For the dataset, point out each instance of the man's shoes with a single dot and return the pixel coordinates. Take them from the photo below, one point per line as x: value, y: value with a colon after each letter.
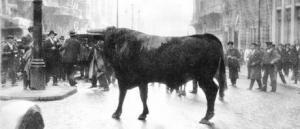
x: 55, y: 84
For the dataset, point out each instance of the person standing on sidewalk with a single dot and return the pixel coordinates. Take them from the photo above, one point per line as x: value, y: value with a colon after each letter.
x: 51, y: 55
x: 9, y: 51
x: 280, y: 63
x: 255, y: 61
x: 233, y: 56
x: 270, y: 58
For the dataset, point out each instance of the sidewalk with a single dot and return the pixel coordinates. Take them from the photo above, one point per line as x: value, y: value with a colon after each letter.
x: 289, y: 82
x: 51, y: 93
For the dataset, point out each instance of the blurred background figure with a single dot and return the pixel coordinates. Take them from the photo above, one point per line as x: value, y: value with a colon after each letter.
x: 9, y: 54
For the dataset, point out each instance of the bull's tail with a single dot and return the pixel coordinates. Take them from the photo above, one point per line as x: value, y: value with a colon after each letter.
x: 222, y: 75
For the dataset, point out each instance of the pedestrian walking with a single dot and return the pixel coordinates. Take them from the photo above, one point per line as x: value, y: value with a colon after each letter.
x: 248, y: 53
x: 70, y: 51
x: 270, y: 58
x: 9, y: 54
x: 233, y: 57
x: 255, y: 62
x: 286, y: 59
x: 51, y: 55
x: 280, y: 63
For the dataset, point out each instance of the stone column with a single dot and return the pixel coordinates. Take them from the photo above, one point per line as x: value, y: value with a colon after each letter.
x: 274, y: 22
x: 293, y: 23
x: 282, y: 32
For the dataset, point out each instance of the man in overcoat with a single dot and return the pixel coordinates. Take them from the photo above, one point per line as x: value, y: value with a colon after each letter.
x: 233, y: 56
x: 270, y: 58
x: 51, y: 55
x: 255, y: 61
x: 70, y: 50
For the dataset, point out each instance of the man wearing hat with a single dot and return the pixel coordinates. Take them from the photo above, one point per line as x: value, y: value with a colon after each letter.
x: 270, y: 58
x: 9, y: 51
x: 233, y: 56
x: 51, y: 55
x: 71, y: 49
x: 255, y: 61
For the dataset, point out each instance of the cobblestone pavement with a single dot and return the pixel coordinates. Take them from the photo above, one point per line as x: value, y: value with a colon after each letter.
x: 243, y: 109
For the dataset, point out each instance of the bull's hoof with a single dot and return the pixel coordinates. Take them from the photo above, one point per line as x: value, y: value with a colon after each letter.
x: 205, y: 121
x: 142, y: 117
x: 116, y: 115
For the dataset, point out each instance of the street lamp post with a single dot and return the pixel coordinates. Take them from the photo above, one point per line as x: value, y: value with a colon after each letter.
x: 37, y: 69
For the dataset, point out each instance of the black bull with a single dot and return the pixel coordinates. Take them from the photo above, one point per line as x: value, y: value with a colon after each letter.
x: 138, y: 59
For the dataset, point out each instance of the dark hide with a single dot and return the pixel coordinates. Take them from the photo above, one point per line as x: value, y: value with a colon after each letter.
x: 138, y: 59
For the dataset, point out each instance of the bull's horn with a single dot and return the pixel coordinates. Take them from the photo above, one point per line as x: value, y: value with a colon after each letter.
x: 96, y: 30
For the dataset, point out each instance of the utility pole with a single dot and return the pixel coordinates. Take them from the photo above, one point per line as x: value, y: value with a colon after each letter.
x: 117, y: 13
x: 258, y: 22
x: 37, y: 69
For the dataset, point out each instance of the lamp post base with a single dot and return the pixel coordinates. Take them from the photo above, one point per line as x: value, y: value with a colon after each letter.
x: 37, y: 75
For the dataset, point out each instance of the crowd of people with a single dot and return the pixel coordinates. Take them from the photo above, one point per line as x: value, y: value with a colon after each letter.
x: 63, y: 58
x: 264, y: 63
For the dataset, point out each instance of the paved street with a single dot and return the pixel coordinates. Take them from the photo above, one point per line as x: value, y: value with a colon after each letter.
x: 243, y: 109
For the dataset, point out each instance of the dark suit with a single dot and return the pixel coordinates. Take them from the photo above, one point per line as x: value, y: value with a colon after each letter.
x: 70, y: 50
x: 233, y: 56
x: 270, y: 58
x: 51, y: 55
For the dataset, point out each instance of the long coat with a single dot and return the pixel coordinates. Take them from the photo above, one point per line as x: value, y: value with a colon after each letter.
x: 255, y: 61
x: 233, y: 56
x: 71, y: 49
x: 51, y: 55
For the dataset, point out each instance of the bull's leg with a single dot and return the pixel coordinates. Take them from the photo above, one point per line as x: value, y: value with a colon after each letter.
x: 122, y: 94
x: 144, y: 95
x: 210, y: 89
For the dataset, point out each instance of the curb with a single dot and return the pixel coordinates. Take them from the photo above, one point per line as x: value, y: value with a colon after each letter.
x: 40, y: 98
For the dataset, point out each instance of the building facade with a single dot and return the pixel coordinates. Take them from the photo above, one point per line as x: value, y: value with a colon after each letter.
x: 58, y: 15
x: 286, y: 21
x: 234, y: 20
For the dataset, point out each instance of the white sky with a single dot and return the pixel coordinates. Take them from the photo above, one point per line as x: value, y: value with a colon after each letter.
x: 160, y: 17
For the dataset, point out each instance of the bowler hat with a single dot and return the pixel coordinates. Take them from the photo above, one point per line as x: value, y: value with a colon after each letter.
x: 269, y: 43
x: 52, y: 32
x: 230, y: 43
